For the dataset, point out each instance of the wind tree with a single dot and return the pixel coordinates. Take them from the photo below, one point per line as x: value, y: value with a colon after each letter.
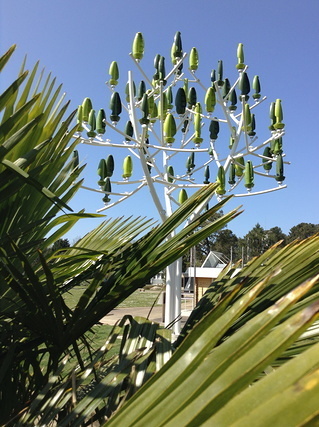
x: 247, y: 355
x: 183, y: 131
x: 39, y: 175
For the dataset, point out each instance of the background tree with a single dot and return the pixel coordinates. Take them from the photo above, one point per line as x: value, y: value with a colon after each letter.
x: 302, y: 231
x: 60, y: 244
x: 255, y: 241
x: 226, y: 242
x: 207, y: 244
x: 274, y: 235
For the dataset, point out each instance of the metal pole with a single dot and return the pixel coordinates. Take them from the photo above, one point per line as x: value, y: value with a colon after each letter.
x: 178, y: 296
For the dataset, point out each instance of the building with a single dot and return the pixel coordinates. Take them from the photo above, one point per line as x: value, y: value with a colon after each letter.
x: 158, y: 280
x: 198, y: 279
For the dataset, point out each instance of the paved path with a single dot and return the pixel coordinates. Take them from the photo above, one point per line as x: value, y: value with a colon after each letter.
x: 118, y: 313
x: 156, y: 314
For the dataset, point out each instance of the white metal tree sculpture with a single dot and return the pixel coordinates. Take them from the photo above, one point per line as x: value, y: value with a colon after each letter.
x: 178, y: 103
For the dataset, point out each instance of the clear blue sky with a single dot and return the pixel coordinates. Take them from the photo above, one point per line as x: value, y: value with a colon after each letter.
x: 77, y: 40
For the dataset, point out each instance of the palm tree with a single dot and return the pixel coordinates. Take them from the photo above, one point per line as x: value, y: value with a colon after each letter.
x: 38, y: 176
x: 248, y: 354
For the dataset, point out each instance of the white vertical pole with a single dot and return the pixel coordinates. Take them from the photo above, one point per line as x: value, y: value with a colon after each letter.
x: 178, y: 296
x: 169, y: 294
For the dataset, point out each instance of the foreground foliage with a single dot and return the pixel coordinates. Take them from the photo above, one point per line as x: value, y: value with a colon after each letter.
x: 252, y: 359
x: 248, y: 354
x: 38, y: 179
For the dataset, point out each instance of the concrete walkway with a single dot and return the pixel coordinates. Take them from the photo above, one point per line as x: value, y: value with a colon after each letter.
x: 118, y: 313
x: 155, y: 315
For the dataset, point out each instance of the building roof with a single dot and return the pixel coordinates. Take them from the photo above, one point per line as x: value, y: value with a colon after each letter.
x: 209, y: 272
x: 211, y: 267
x: 215, y: 259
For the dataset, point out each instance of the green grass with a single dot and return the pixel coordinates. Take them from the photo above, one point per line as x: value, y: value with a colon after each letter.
x: 137, y: 299
x: 100, y: 333
x: 141, y: 299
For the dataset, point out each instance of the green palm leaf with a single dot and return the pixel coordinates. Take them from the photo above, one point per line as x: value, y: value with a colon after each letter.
x: 193, y: 387
x: 5, y: 58
x: 260, y: 319
x: 10, y: 92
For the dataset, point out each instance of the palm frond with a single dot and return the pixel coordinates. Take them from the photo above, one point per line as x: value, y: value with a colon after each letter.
x: 256, y: 327
x: 227, y: 352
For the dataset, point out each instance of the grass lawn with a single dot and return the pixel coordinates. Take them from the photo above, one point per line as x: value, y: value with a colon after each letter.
x: 137, y: 299
x: 100, y: 333
x: 141, y: 299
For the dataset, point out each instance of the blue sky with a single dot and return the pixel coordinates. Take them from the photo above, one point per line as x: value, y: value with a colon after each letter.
x: 77, y: 40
